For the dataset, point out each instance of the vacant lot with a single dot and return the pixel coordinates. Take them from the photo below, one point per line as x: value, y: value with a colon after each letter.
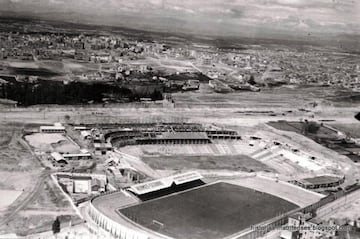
x: 51, y: 142
x: 209, y: 212
x: 326, y: 137
x: 29, y: 200
x: 231, y: 162
x: 8, y: 197
x: 352, y: 129
x: 297, y: 127
x: 14, y: 155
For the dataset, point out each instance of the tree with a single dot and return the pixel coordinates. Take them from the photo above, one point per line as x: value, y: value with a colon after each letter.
x: 156, y: 95
x: 56, y: 226
x: 252, y: 80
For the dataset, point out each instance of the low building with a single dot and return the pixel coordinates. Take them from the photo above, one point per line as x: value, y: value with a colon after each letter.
x: 79, y: 183
x: 82, y: 184
x: 58, y: 158
x: 97, y: 186
x: 83, y: 155
x: 80, y: 128
x: 102, y: 148
x: 86, y: 135
x: 302, y: 226
x: 319, y: 182
x: 56, y: 128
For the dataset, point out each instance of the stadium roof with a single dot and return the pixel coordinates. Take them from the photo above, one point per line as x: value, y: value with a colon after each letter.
x: 186, y: 177
x: 163, y: 183
x: 184, y: 135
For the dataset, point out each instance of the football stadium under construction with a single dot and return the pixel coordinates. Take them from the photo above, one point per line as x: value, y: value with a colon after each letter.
x: 187, y: 205
x: 184, y: 206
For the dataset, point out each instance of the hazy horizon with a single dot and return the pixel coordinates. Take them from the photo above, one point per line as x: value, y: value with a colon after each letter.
x: 250, y: 18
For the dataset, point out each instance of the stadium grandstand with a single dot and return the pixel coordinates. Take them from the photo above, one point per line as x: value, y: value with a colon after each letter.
x: 166, y: 133
x: 176, y: 138
x: 165, y: 186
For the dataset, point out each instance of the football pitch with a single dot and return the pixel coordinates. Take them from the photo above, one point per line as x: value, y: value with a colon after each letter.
x: 209, y: 212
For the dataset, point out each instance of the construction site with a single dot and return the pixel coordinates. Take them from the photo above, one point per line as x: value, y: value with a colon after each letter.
x: 117, y: 172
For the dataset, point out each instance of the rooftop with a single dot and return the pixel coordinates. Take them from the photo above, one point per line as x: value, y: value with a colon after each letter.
x: 57, y: 156
x: 321, y: 179
x: 184, y: 135
x: 162, y: 183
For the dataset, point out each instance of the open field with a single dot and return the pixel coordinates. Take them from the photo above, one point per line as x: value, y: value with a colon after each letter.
x: 8, y: 197
x: 29, y: 199
x: 42, y: 206
x: 352, y: 129
x: 231, y: 162
x: 280, y: 97
x: 51, y: 142
x: 50, y: 197
x: 210, y: 212
x: 14, y: 155
x: 324, y: 136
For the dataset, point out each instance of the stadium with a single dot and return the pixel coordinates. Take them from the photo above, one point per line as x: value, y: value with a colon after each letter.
x: 196, y: 205
x: 184, y: 206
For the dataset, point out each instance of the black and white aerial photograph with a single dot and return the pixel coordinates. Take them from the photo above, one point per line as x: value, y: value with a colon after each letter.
x: 179, y: 119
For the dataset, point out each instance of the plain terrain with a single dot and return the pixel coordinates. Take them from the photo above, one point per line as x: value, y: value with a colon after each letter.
x: 29, y: 199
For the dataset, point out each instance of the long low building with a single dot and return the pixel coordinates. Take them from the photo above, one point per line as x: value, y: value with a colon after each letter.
x: 52, y: 129
x: 62, y: 158
x: 78, y: 156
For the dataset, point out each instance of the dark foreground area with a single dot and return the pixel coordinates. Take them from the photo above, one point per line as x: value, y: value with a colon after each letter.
x: 209, y: 212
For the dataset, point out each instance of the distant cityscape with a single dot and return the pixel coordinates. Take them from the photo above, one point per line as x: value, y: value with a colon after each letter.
x: 125, y: 62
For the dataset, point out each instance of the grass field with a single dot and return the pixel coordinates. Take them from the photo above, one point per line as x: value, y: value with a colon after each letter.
x: 231, y: 162
x: 209, y: 212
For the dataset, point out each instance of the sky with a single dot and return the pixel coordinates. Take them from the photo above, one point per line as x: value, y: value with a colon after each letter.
x: 215, y: 17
